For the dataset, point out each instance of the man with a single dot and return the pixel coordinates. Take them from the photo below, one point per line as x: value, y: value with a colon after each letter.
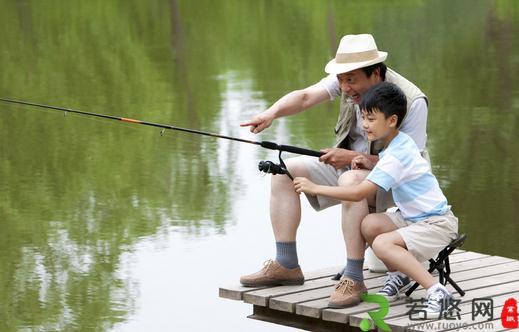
x: 357, y: 66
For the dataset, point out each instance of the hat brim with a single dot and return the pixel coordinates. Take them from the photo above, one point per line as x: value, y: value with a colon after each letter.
x: 339, y: 68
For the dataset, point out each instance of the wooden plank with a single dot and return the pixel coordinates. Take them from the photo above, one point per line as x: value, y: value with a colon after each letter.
x: 343, y: 315
x: 288, y: 302
x: 490, y: 280
x: 477, y: 263
x: 485, y: 271
x: 466, y: 256
x: 459, y: 277
x: 401, y: 323
x: 262, y: 297
x: 292, y: 320
x: 466, y: 317
x: 236, y: 292
x: 503, y: 286
x: 306, y: 306
x: 493, y: 326
x: 314, y: 307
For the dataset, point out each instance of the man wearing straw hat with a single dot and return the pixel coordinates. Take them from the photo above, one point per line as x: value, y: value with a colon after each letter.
x: 357, y: 66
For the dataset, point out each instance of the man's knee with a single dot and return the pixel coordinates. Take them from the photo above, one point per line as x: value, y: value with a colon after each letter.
x: 296, y: 167
x: 352, y: 177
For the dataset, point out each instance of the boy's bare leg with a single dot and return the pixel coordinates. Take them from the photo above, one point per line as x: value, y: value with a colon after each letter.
x: 391, y: 249
x: 375, y: 224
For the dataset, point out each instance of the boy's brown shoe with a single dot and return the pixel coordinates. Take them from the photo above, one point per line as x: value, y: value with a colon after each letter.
x: 273, y: 274
x: 347, y: 293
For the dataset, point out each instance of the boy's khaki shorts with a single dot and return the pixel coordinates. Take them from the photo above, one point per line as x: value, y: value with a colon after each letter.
x: 425, y: 239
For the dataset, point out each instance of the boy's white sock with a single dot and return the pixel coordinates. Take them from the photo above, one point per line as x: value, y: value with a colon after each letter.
x: 397, y: 273
x: 434, y: 287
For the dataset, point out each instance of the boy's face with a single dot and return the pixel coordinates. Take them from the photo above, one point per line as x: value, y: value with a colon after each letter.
x: 376, y: 125
x: 356, y: 82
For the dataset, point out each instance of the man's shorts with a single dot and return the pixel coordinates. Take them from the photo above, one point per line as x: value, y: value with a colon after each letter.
x: 425, y: 239
x: 322, y: 174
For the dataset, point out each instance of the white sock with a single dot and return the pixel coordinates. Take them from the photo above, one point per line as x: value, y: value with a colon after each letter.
x: 397, y: 273
x: 434, y: 287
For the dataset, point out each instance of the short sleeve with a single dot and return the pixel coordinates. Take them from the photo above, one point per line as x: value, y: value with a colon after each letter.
x: 386, y: 172
x: 331, y: 84
x: 415, y: 123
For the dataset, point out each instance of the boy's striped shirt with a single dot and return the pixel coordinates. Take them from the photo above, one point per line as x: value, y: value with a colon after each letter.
x: 416, y: 191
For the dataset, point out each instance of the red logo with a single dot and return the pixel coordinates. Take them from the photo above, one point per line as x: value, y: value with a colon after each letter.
x: 509, y: 314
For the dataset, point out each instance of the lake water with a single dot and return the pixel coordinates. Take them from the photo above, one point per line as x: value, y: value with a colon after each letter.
x: 110, y: 226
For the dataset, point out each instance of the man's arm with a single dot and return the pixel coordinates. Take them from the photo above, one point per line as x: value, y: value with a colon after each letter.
x: 291, y: 103
x: 351, y: 193
x: 340, y: 158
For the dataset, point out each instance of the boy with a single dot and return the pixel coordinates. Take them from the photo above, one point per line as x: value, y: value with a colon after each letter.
x: 421, y: 227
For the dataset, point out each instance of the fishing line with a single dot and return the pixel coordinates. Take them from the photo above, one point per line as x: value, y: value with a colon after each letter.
x: 267, y: 167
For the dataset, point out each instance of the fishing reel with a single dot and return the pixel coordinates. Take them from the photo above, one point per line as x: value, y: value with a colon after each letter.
x: 268, y: 166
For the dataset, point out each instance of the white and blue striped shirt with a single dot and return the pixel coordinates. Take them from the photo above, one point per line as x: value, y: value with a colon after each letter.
x: 416, y: 191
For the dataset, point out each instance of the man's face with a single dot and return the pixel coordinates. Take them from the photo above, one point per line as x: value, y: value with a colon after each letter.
x: 355, y: 83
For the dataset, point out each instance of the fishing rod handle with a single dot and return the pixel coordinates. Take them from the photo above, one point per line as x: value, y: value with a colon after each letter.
x: 290, y: 148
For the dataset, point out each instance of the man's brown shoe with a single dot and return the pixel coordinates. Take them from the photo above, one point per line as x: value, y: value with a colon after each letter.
x: 347, y: 293
x: 273, y: 274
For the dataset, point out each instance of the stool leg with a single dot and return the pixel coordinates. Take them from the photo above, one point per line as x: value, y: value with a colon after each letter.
x: 410, y: 290
x: 455, y: 285
x: 432, y: 267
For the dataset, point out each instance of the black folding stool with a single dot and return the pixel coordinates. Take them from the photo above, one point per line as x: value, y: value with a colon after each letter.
x: 441, y: 263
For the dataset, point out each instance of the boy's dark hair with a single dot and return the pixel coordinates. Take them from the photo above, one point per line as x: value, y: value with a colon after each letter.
x: 370, y: 69
x: 387, y: 98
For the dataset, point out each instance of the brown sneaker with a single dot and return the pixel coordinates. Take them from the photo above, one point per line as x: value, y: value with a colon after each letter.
x: 273, y: 274
x: 347, y: 293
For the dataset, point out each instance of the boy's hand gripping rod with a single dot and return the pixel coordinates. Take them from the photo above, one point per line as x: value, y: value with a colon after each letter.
x: 267, y: 167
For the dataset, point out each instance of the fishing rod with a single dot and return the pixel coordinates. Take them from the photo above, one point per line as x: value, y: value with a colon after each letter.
x: 264, y: 166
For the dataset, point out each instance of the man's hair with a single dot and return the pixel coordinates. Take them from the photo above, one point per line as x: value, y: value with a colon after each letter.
x: 387, y: 98
x: 370, y: 69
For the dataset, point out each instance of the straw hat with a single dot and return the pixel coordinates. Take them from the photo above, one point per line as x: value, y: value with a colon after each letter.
x: 354, y: 52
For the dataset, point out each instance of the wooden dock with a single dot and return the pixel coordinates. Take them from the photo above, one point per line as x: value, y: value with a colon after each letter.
x: 305, y: 307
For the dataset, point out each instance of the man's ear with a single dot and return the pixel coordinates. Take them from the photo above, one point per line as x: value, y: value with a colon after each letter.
x: 376, y: 72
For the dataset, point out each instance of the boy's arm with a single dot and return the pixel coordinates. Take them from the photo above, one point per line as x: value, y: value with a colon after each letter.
x: 351, y: 193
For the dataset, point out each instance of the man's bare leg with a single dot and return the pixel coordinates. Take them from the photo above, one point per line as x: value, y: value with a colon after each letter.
x: 285, y: 213
x: 352, y: 215
x: 285, y: 216
x: 285, y: 203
